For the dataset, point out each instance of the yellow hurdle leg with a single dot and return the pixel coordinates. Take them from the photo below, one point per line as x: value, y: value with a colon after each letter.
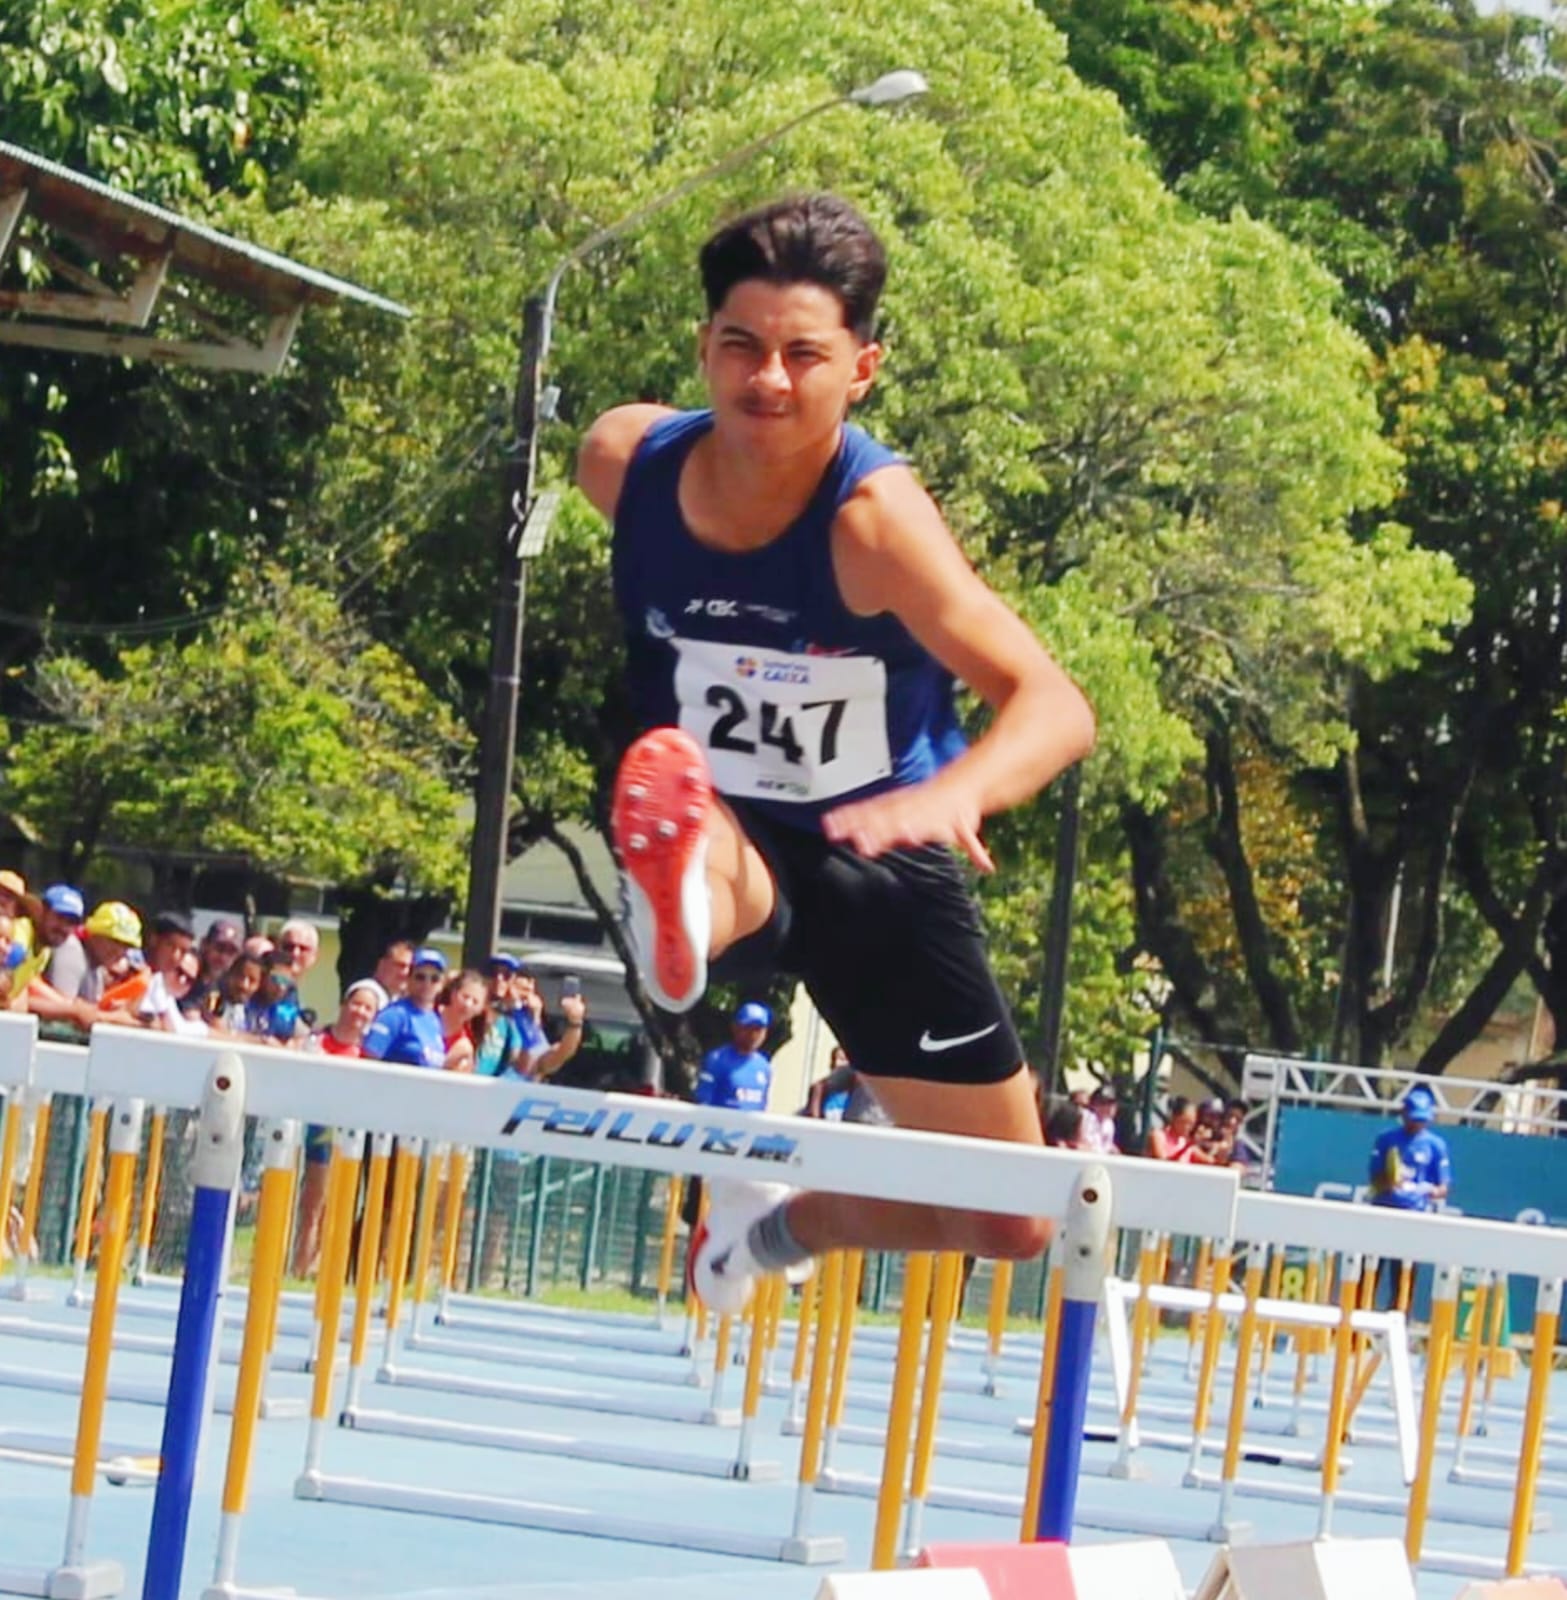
x: 365, y: 1269
x: 87, y: 1200
x: 1142, y: 1325
x: 666, y: 1249
x: 32, y: 1196
x: 843, y: 1348
x: 335, y: 1178
x: 830, y: 1270
x: 266, y: 1282
x: 769, y: 1292
x: 721, y: 1358
x: 124, y: 1150
x: 1039, y: 1441
x: 946, y: 1288
x: 1547, y: 1314
x: 1493, y: 1345
x: 334, y: 1268
x: 1212, y: 1337
x: 1406, y: 1287
x: 151, y: 1181
x: 10, y: 1143
x: 1161, y: 1274
x: 900, y: 1419
x: 804, y: 1322
x: 424, y: 1234
x: 1439, y: 1346
x: 1267, y: 1331
x: 405, y: 1187
x: 1305, y: 1343
x: 1244, y: 1340
x: 1364, y: 1373
x: 451, y: 1221
x: 1197, y: 1322
x: 1001, y: 1273
x: 1343, y: 1354
x: 1474, y: 1342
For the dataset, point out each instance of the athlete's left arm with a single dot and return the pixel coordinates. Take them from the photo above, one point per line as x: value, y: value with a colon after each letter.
x: 892, y: 551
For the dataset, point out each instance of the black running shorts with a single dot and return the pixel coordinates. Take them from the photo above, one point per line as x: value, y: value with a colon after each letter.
x: 890, y: 950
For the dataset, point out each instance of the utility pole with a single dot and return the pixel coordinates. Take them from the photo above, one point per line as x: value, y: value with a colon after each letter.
x: 523, y: 539
x: 1058, y: 933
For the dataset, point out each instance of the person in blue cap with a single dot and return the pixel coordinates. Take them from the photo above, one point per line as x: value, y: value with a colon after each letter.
x: 734, y: 1077
x: 737, y: 1076
x: 408, y: 1031
x: 1410, y: 1166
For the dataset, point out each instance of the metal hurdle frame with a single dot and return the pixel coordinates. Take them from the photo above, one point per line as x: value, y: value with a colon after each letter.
x: 878, y: 1163
x: 875, y: 1162
x: 64, y: 1069
x: 1443, y: 1242
x: 78, y: 1576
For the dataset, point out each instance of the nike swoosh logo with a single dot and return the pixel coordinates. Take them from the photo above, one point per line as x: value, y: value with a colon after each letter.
x: 930, y: 1046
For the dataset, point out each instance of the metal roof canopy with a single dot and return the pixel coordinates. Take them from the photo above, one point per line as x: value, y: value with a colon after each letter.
x: 112, y: 226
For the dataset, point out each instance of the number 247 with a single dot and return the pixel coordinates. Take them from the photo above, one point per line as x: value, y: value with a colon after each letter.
x: 774, y: 727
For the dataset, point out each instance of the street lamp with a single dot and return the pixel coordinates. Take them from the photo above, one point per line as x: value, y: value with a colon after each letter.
x: 529, y: 515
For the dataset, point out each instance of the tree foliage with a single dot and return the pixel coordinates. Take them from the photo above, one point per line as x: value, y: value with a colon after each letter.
x: 1416, y: 149
x: 1152, y: 428
x: 194, y: 105
x: 281, y: 736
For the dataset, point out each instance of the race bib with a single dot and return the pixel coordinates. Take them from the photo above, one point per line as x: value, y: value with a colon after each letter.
x: 781, y: 726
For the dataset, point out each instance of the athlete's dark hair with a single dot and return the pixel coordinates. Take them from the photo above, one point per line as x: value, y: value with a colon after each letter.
x: 806, y: 238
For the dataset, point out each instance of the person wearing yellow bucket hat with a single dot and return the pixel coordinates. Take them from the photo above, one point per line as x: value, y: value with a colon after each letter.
x: 109, y: 934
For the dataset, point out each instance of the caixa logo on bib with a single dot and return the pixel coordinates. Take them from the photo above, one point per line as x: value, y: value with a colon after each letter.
x: 606, y: 1126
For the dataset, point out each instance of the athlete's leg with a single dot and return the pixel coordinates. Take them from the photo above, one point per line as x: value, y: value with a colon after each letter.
x: 770, y: 1230
x: 739, y: 885
x: 892, y: 951
x: 1005, y: 1110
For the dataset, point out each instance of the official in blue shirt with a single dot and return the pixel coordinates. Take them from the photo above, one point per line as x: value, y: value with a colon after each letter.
x: 737, y: 1076
x: 1410, y: 1168
x: 408, y: 1032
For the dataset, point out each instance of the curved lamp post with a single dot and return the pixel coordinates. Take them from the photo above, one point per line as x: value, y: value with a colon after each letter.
x: 529, y: 514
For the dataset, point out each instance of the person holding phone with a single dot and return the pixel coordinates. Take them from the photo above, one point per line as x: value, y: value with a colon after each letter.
x: 538, y: 1057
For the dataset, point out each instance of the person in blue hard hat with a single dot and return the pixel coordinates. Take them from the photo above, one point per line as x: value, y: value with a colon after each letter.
x: 734, y: 1077
x: 1410, y: 1165
x: 737, y: 1076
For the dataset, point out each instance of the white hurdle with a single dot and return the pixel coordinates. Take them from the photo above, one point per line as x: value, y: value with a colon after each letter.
x: 879, y: 1163
x: 897, y: 1165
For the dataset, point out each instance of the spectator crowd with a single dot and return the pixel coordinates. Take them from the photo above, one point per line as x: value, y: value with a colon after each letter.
x: 68, y: 965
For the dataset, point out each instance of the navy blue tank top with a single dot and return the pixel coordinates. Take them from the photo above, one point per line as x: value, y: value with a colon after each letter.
x: 799, y: 703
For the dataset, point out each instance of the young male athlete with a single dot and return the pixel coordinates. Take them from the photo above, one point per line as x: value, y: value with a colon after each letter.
x: 796, y: 611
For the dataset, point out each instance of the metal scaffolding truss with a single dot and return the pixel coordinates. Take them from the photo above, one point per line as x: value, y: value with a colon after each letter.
x: 114, y: 262
x: 1269, y: 1082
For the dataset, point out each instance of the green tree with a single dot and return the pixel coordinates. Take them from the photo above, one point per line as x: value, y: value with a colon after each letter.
x: 1416, y: 148
x: 193, y: 105
x: 1148, y: 428
x: 282, y: 736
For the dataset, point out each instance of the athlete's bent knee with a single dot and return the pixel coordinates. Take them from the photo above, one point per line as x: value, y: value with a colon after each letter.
x: 1000, y: 1238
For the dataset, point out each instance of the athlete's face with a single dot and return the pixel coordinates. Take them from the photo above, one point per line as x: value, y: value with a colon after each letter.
x: 782, y: 370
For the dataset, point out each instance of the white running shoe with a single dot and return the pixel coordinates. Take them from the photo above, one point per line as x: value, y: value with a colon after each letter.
x: 663, y: 798
x: 720, y: 1268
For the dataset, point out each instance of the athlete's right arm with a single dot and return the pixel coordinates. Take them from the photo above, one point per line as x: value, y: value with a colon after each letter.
x: 607, y: 449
